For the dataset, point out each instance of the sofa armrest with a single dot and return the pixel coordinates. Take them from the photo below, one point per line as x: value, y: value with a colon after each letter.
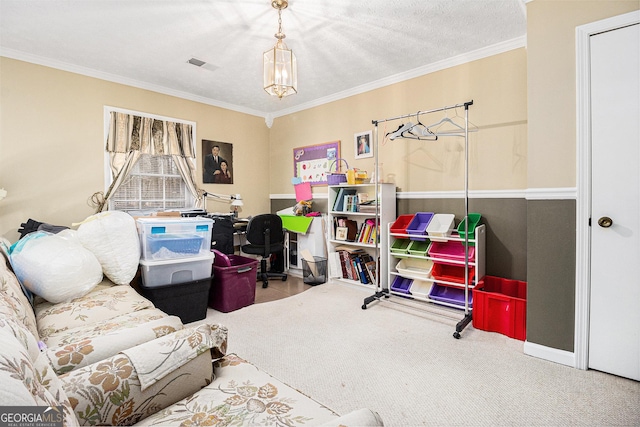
x: 89, y: 350
x: 121, y: 390
x: 359, y: 418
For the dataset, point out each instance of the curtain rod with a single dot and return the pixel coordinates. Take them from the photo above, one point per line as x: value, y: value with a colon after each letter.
x: 465, y: 105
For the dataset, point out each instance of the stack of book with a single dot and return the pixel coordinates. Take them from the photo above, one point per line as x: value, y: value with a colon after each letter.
x: 368, y: 232
x: 357, y: 265
x: 368, y: 207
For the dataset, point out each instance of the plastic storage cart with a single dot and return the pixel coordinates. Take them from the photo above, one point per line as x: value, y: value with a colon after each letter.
x: 234, y: 282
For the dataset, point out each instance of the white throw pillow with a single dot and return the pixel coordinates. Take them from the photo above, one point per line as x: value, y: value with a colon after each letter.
x: 112, y: 236
x: 55, y: 266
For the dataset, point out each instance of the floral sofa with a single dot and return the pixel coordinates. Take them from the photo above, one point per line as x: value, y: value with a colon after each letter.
x: 111, y: 358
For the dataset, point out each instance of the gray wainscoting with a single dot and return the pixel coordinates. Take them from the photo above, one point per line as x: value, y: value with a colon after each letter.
x: 529, y: 240
x: 551, y: 273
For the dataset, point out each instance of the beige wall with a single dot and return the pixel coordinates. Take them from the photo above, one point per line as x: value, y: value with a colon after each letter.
x: 551, y: 27
x: 498, y: 154
x: 52, y: 143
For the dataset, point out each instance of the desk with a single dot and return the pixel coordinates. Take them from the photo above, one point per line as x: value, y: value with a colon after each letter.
x: 239, y: 234
x: 313, y: 240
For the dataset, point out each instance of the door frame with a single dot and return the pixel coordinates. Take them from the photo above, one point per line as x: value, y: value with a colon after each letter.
x: 583, y: 177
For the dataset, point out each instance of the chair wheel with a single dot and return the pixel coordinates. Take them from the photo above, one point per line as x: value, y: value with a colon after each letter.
x: 284, y: 278
x: 265, y: 284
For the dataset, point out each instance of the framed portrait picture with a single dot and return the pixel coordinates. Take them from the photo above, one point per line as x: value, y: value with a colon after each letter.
x: 217, y: 163
x: 341, y: 233
x: 363, y: 147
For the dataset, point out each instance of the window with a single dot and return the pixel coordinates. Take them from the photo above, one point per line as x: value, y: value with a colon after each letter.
x: 154, y: 184
x: 155, y: 181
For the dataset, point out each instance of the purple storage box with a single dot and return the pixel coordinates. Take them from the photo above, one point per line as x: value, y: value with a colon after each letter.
x: 418, y: 225
x: 234, y: 282
x: 401, y: 284
x: 450, y: 294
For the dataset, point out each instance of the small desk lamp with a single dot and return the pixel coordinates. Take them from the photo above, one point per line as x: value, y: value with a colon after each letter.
x: 234, y: 199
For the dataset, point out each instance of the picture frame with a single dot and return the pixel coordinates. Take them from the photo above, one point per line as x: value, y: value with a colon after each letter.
x: 311, y: 163
x: 363, y: 145
x: 212, y: 170
x: 341, y: 233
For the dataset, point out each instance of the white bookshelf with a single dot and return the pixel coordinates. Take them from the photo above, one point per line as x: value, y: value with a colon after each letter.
x: 386, y: 214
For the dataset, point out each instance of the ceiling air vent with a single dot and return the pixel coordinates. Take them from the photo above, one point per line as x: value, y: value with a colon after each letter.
x: 196, y: 62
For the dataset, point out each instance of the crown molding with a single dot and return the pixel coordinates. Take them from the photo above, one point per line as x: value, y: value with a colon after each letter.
x: 488, y: 51
x: 90, y: 72
x: 485, y: 52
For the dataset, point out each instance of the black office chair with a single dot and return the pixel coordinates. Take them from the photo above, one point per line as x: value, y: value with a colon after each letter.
x: 265, y: 236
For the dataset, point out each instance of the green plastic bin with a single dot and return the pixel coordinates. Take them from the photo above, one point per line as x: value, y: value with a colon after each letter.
x: 419, y: 247
x: 474, y: 220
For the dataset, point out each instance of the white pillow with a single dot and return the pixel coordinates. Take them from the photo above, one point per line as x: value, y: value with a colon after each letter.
x: 112, y: 236
x: 55, y: 266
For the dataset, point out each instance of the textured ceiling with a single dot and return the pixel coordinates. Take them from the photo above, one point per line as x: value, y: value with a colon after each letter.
x: 340, y: 45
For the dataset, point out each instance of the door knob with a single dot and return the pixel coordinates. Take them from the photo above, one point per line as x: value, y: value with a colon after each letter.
x: 605, y: 222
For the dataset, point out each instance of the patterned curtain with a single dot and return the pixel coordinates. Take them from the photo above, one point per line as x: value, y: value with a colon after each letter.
x: 130, y: 136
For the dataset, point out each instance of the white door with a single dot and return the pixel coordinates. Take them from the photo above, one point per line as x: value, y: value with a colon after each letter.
x: 614, y: 327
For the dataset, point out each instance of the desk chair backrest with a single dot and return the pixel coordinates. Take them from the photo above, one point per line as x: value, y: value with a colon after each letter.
x: 265, y: 236
x: 265, y: 230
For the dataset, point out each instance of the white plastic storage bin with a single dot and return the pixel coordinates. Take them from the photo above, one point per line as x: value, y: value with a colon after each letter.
x: 171, y: 238
x: 415, y: 268
x: 174, y: 271
x: 440, y: 227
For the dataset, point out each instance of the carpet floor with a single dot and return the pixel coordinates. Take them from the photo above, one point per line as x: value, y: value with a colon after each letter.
x: 405, y: 364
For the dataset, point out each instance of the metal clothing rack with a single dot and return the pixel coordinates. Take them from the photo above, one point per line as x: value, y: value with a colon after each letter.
x: 384, y: 292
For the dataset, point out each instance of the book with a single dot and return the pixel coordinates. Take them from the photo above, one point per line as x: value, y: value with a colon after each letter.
x: 371, y: 269
x: 339, y: 202
x: 352, y: 229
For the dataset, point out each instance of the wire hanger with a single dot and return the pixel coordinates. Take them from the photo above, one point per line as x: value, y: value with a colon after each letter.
x: 420, y: 131
x: 398, y: 133
x: 457, y: 131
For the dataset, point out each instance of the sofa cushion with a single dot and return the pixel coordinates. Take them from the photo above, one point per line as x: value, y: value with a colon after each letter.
x: 154, y: 362
x: 14, y: 302
x: 75, y: 348
x: 111, y: 392
x: 97, y: 306
x: 241, y: 394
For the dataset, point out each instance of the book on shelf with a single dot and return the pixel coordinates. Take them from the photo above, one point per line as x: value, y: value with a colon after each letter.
x: 368, y: 206
x: 339, y: 202
x: 341, y: 222
x: 353, y: 263
x: 371, y: 268
x: 350, y: 203
x: 368, y: 231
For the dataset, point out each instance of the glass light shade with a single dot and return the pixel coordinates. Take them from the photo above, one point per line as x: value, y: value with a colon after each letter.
x: 280, y: 71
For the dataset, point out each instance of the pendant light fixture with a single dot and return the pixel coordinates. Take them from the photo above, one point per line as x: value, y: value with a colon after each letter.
x: 280, y: 69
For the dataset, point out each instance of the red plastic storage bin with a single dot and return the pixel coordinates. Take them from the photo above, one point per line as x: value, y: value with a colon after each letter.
x: 452, y: 273
x: 500, y: 305
x: 234, y: 282
x: 400, y: 224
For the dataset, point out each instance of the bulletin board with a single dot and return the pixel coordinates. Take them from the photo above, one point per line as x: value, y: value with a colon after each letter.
x: 311, y: 163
